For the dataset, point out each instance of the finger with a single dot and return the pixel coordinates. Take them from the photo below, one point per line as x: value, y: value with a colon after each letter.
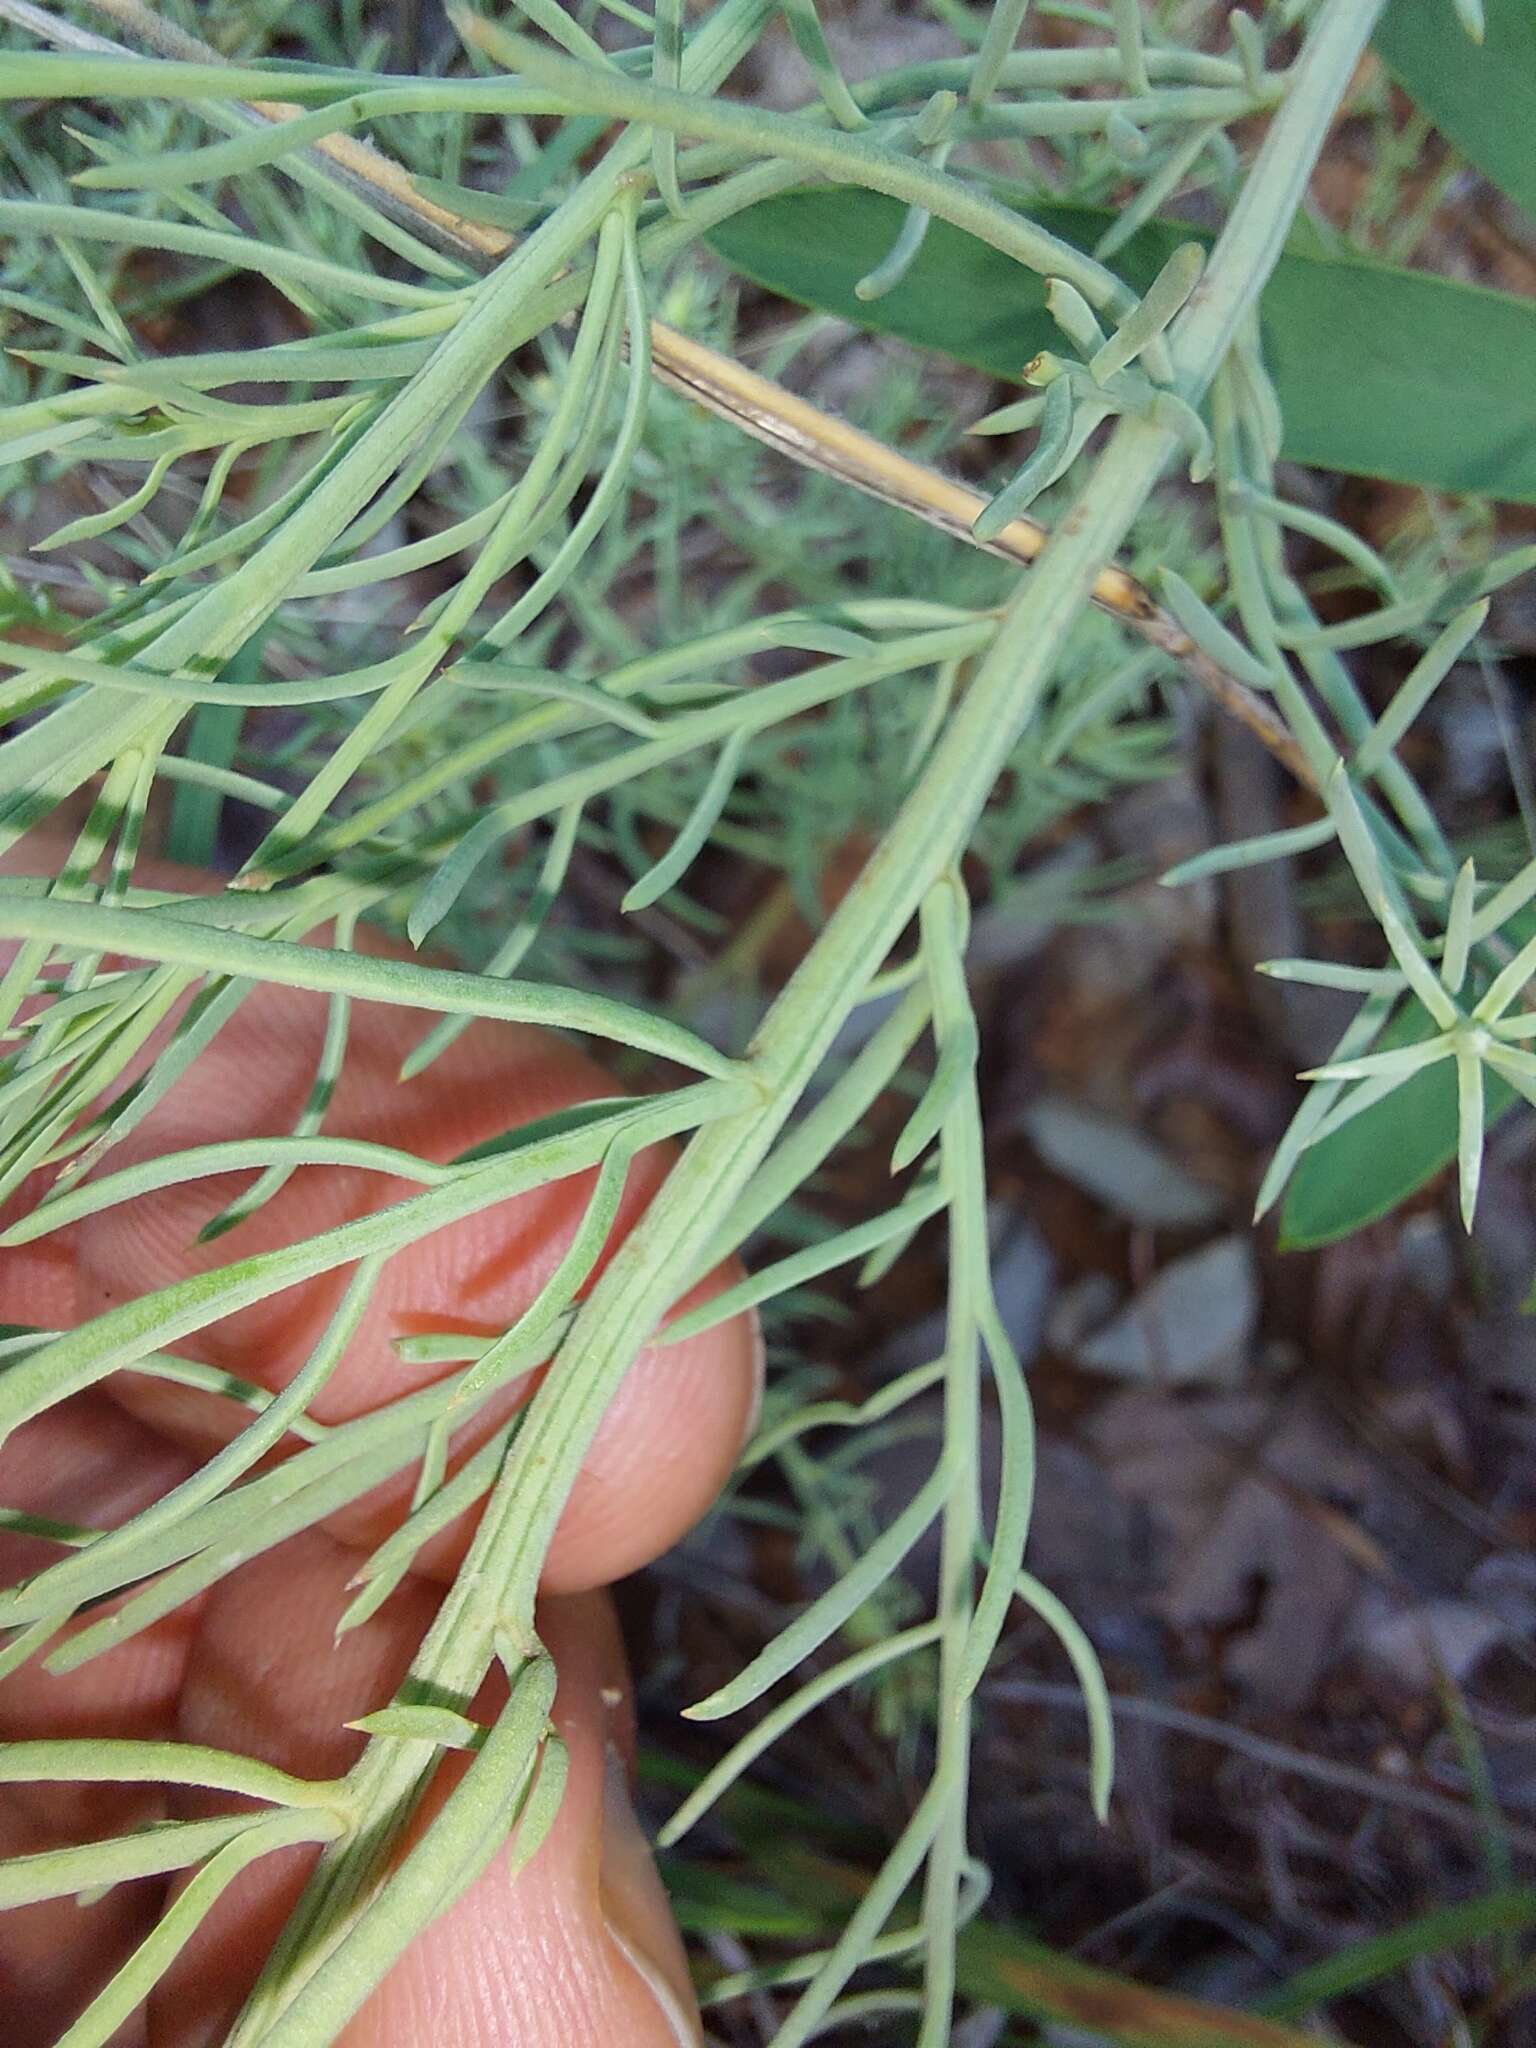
x: 578, y: 1946
x: 668, y: 1444
x: 38, y: 1289
x: 669, y: 1441
x: 85, y: 1462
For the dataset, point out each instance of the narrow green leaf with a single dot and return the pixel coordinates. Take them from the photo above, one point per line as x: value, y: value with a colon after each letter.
x: 149, y: 935
x: 1250, y: 853
x: 1126, y: 15
x: 536, y: 1814
x: 1090, y: 1676
x: 1047, y: 460
x: 61, y: 1873
x: 112, y: 1760
x: 114, y: 1558
x: 1420, y: 684
x: 1207, y: 631
x: 495, y: 209
x: 1387, y: 1152
x: 114, y: 1339
x: 698, y: 825
x: 811, y: 41
x: 1074, y: 316
x: 899, y: 258
x: 440, y: 1726
x: 1458, y: 928
x: 199, y: 1162
x: 388, y: 1564
x: 824, y: 1686
x: 1366, y: 1962
x: 1164, y: 297
x: 1365, y: 981
x: 1470, y: 1124
x: 510, y: 953
x: 451, y: 878
x: 808, y: 1631
x: 1381, y: 371
x: 1003, y: 25
x: 132, y: 1983
x: 794, y: 1271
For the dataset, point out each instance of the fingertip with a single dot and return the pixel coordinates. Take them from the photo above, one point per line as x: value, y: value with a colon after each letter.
x: 578, y: 1945
x: 664, y: 1450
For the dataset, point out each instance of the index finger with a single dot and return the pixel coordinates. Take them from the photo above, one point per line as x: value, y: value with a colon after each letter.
x: 668, y: 1440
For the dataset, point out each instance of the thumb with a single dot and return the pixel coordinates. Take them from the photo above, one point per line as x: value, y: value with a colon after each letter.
x: 576, y: 1946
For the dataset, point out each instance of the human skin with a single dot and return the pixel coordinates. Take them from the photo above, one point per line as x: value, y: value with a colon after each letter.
x: 580, y: 1946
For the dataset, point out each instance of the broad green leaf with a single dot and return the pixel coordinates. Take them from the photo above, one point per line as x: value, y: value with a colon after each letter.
x: 1481, y: 98
x: 1386, y: 1153
x: 1383, y: 372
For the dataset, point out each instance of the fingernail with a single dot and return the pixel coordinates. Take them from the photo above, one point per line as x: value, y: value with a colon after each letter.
x: 759, y: 1378
x: 635, y: 1910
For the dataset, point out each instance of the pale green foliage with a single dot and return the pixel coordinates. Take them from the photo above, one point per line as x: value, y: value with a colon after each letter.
x: 424, y: 605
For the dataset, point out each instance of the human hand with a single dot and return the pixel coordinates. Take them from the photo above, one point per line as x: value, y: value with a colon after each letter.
x: 580, y: 1946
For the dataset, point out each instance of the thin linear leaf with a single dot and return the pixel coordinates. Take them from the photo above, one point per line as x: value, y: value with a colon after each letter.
x: 1153, y: 313
x: 109, y: 1760
x: 943, y: 937
x: 794, y: 1271
x: 58, y: 1873
x: 83, y: 1356
x: 1207, y: 631
x: 1428, y: 1934
x: 333, y: 1051
x: 1249, y: 853
x: 824, y: 1686
x: 201, y: 1162
x: 1386, y: 1153
x: 387, y: 1565
x: 698, y: 825
x: 421, y: 1722
x: 148, y: 935
x: 510, y: 953
x: 183, y: 1915
x: 1069, y: 1632
x: 114, y: 1554
x: 808, y: 1631
x: 1416, y: 689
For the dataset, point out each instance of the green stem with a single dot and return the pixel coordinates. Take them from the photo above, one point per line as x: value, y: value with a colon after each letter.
x: 493, y: 1596
x: 965, y: 1178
